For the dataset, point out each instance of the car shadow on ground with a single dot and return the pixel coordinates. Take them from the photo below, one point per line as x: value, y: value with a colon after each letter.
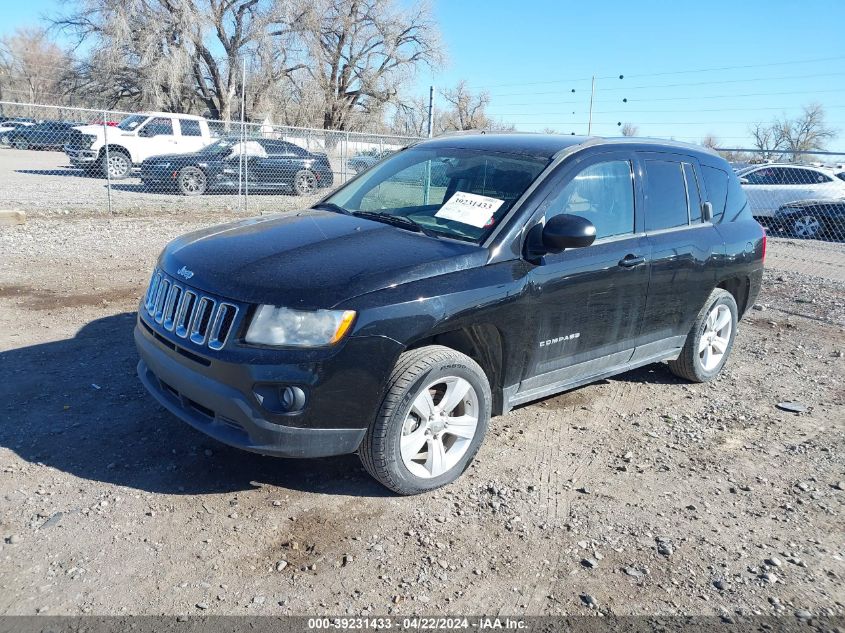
x: 62, y: 171
x: 76, y: 405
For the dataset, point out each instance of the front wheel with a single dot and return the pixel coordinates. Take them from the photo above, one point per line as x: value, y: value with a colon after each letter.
x: 20, y: 143
x: 431, y: 423
x: 118, y: 165
x: 710, y: 340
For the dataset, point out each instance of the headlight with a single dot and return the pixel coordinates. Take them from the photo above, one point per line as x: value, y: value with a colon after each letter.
x: 272, y: 325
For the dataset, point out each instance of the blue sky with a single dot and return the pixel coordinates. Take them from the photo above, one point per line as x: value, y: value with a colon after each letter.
x: 680, y: 62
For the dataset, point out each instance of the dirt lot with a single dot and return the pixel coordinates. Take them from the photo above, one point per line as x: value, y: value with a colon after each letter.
x: 639, y: 494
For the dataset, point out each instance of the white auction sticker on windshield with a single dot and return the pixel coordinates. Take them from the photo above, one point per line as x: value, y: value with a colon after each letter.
x: 469, y: 208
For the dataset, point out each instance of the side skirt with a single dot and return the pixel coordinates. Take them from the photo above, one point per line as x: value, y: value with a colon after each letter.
x: 514, y: 397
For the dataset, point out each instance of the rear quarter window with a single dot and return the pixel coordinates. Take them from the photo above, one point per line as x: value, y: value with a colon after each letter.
x: 716, y: 181
x: 736, y: 205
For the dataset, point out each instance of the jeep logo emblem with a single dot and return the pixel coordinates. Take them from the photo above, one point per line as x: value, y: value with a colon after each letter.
x: 185, y: 272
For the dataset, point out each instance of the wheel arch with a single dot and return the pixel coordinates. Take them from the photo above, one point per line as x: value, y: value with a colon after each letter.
x: 481, y: 342
x: 114, y: 147
x: 740, y: 289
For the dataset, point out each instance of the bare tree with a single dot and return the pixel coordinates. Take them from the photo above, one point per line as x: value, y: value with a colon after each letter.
x: 32, y: 67
x: 803, y: 133
x: 467, y: 110
x: 629, y: 129
x: 411, y: 117
x: 767, y: 138
x: 165, y: 53
x: 806, y: 132
x: 710, y: 141
x: 362, y: 52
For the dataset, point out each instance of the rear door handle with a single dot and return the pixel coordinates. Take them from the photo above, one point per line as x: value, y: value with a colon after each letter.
x: 629, y: 261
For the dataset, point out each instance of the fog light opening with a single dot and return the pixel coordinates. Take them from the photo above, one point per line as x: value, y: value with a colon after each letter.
x: 291, y: 398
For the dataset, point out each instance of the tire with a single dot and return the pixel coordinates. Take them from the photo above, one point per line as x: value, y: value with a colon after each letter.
x: 5, y: 140
x: 437, y: 370
x: 806, y: 226
x: 20, y: 143
x: 191, y: 181
x: 304, y: 183
x: 118, y: 165
x: 699, y: 360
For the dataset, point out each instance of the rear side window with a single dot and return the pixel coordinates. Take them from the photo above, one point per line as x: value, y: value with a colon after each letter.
x: 693, y: 195
x: 190, y: 127
x: 806, y: 176
x: 717, y: 189
x: 666, y: 195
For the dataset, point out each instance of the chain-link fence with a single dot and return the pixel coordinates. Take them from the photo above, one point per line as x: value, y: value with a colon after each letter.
x: 58, y: 159
x: 794, y: 194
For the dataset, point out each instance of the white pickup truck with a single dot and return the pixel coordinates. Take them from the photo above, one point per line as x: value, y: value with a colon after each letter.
x: 134, y: 139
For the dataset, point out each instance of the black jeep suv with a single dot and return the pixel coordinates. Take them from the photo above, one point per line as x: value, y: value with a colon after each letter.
x: 396, y: 316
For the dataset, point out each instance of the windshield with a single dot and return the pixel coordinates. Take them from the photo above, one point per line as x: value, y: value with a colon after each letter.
x: 221, y: 146
x: 454, y: 192
x: 132, y: 122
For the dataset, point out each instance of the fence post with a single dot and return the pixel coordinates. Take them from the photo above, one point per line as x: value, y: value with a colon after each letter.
x: 107, y: 166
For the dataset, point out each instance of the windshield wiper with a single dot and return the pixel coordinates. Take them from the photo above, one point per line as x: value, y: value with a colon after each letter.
x: 395, y: 220
x: 331, y: 206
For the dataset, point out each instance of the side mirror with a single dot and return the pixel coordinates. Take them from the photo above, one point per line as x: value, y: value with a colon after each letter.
x: 743, y: 181
x: 146, y: 132
x: 567, y: 231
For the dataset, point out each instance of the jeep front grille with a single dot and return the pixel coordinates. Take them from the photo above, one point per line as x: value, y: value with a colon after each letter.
x: 189, y: 313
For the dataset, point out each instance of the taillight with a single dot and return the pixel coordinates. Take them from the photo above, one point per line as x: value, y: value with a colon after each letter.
x: 764, y: 244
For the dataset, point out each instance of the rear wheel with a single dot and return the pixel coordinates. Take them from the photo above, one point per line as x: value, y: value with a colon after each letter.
x: 431, y: 423
x: 805, y: 225
x: 710, y: 340
x: 191, y: 181
x: 117, y: 166
x: 304, y: 183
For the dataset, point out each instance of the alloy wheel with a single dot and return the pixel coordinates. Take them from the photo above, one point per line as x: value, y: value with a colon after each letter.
x: 715, y: 338
x: 439, y: 427
x: 304, y: 183
x: 806, y: 226
x: 118, y: 165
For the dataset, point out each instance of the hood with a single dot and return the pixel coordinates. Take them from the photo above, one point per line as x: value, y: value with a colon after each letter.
x: 110, y: 132
x: 312, y: 259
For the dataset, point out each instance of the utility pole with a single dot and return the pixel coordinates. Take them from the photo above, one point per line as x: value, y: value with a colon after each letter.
x: 592, y: 96
x: 243, y: 131
x: 430, y: 111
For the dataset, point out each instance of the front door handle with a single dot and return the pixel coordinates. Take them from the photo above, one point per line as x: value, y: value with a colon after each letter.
x: 629, y: 261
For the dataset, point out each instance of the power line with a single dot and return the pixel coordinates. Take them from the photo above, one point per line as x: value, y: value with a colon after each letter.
x: 671, y: 72
x: 685, y: 84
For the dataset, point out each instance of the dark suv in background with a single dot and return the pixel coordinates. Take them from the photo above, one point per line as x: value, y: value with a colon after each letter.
x: 396, y: 316
x: 257, y: 163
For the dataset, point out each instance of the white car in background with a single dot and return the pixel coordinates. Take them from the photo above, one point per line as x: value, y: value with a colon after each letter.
x: 769, y: 187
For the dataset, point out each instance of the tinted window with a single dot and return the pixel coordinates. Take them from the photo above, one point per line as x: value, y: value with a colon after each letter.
x: 806, y: 176
x: 190, y: 127
x: 666, y: 195
x: 766, y: 176
x: 736, y: 202
x: 717, y: 189
x: 693, y: 195
x: 159, y: 126
x: 602, y: 193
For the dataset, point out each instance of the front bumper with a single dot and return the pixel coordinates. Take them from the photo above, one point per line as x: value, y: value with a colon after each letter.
x: 80, y: 156
x: 219, y: 399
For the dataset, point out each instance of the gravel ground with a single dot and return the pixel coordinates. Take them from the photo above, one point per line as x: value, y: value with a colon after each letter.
x: 44, y: 183
x: 636, y: 495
